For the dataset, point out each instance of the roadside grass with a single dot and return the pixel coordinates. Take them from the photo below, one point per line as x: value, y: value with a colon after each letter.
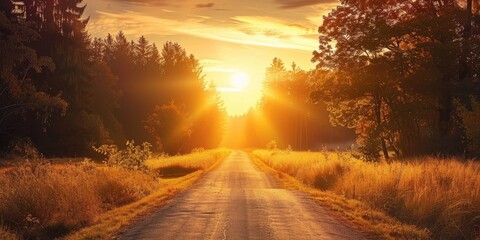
x: 441, y: 196
x: 174, y: 165
x: 41, y: 201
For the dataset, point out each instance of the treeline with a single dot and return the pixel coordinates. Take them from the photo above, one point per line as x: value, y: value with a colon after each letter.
x: 65, y: 92
x: 404, y: 74
x: 287, y: 116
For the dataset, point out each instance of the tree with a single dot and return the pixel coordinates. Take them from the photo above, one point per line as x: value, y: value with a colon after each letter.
x: 286, y: 106
x: 183, y: 82
x: 19, y: 96
x: 6, y: 8
x: 170, y: 128
x: 394, y: 72
x: 142, y: 52
x: 77, y: 78
x: 208, y: 121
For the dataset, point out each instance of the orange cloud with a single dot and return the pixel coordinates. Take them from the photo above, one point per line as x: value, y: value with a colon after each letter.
x: 286, y: 4
x: 248, y: 30
x: 205, y: 5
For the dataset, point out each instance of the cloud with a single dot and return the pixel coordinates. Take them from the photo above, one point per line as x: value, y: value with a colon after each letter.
x: 205, y: 5
x: 288, y: 4
x: 146, y: 2
x: 271, y: 27
x: 246, y: 30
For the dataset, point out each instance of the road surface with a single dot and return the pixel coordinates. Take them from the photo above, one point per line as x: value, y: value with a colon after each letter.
x: 238, y: 201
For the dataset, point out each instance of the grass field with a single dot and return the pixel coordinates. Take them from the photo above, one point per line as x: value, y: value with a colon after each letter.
x: 441, y: 195
x: 87, y: 200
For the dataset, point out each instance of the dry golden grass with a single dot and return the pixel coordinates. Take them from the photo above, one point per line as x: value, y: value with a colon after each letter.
x: 442, y: 195
x: 40, y: 201
x: 109, y: 223
x: 198, y: 160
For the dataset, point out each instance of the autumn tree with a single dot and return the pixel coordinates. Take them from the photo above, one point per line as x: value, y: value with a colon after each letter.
x: 394, y: 73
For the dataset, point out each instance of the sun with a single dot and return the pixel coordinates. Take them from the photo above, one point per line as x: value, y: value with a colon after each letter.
x: 239, y: 90
x: 239, y: 80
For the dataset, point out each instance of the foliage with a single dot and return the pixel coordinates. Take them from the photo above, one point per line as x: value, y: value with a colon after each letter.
x: 41, y: 201
x: 24, y: 149
x: 169, y: 125
x: 286, y: 113
x: 154, y: 85
x: 392, y: 70
x: 272, y: 145
x: 20, y: 97
x: 110, y: 85
x: 132, y: 157
x: 289, y: 148
x: 197, y: 150
x: 472, y: 128
x: 199, y: 160
x: 442, y: 195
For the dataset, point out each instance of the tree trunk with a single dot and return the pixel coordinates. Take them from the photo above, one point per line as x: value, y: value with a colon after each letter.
x: 378, y: 113
x: 463, y: 74
x: 307, y: 143
x: 445, y: 110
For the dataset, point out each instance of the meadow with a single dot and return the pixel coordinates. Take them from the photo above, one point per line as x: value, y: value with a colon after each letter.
x: 41, y: 200
x: 440, y: 195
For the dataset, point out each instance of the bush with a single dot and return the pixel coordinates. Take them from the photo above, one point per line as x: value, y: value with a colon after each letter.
x: 272, y: 145
x: 132, y: 157
x: 23, y: 148
x: 472, y: 128
x: 198, y: 150
x: 40, y: 201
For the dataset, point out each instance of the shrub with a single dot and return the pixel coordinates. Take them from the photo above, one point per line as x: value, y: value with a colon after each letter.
x: 272, y: 145
x: 472, y: 128
x: 132, y: 157
x: 199, y: 149
x: 23, y: 148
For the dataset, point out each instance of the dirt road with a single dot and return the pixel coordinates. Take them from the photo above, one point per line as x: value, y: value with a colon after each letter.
x: 238, y: 201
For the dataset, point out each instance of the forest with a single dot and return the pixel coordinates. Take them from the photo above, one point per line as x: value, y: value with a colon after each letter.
x: 64, y: 92
x: 399, y: 77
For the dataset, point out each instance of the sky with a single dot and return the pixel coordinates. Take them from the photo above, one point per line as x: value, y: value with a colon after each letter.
x: 235, y: 41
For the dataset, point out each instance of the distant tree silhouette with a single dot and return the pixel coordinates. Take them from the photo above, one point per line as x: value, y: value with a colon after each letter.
x: 169, y: 126
x: 183, y: 82
x: 286, y: 113
x: 150, y: 80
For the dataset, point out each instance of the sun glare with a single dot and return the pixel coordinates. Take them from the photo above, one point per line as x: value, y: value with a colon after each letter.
x: 239, y: 80
x: 238, y: 89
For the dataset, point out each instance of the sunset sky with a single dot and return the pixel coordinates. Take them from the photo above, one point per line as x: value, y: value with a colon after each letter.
x: 234, y: 40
